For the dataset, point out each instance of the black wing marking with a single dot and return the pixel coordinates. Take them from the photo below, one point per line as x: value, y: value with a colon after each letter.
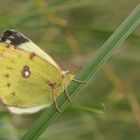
x: 13, y: 37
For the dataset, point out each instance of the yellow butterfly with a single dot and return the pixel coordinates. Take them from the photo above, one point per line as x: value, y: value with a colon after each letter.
x: 30, y: 79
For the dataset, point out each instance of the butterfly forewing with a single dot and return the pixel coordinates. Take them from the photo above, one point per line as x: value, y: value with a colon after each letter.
x: 20, y: 41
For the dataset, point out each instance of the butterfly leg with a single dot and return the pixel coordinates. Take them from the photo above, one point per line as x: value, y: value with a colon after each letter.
x: 55, y: 102
x: 66, y: 91
x: 79, y: 81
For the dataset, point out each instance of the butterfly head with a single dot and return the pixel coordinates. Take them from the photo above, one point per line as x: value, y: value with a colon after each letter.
x: 12, y: 37
x: 67, y: 76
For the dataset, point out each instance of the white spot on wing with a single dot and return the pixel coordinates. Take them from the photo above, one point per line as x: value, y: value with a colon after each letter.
x: 8, y: 41
x: 11, y: 37
x: 27, y: 74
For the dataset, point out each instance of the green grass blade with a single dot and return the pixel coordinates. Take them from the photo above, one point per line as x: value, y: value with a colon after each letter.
x: 88, y: 71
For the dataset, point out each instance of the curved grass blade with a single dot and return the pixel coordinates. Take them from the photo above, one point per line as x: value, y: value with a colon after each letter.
x: 87, y: 72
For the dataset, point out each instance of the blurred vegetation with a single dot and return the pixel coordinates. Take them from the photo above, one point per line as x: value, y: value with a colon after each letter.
x: 71, y: 32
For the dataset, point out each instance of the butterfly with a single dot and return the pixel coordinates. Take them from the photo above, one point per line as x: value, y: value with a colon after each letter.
x: 30, y: 79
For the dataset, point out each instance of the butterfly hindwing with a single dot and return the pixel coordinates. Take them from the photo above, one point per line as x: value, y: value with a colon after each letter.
x: 26, y: 80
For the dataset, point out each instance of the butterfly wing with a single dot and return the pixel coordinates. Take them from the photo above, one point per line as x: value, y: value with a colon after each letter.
x: 25, y: 80
x: 19, y: 40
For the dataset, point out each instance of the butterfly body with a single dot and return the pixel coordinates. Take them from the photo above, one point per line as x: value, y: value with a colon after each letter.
x: 29, y: 82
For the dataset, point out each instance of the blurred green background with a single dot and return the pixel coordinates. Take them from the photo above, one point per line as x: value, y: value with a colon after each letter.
x: 71, y: 31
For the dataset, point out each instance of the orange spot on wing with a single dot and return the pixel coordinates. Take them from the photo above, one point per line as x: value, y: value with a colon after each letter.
x: 13, y: 93
x: 32, y: 55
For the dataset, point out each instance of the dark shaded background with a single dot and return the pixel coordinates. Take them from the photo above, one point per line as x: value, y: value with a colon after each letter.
x: 71, y: 31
